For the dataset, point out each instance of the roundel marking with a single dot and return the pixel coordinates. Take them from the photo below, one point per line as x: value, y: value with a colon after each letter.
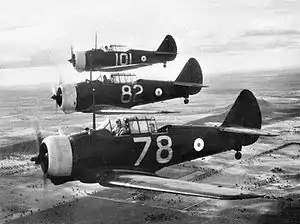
x: 198, y: 144
x: 143, y: 58
x: 158, y: 92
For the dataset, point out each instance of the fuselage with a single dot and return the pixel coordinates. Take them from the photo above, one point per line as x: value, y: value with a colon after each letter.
x: 127, y: 95
x: 99, y: 60
x: 148, y: 152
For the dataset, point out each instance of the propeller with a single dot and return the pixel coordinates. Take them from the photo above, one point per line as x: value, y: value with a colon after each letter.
x: 42, y: 157
x: 72, y: 60
x: 57, y: 92
x: 57, y: 96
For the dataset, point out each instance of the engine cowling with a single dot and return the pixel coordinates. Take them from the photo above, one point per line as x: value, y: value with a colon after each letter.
x: 56, y: 156
x: 80, y: 61
x: 68, y: 98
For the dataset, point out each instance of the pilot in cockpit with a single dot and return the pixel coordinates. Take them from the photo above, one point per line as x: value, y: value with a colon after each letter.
x: 125, y: 128
x: 120, y: 128
x: 152, y: 127
x: 117, y: 128
x: 105, y: 80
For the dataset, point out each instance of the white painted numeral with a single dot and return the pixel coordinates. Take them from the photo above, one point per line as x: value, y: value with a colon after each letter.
x: 147, y: 140
x: 123, y: 59
x: 126, y: 96
x: 138, y: 92
x: 161, y: 148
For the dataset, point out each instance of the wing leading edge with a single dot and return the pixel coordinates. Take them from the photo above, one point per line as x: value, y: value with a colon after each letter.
x: 165, y: 185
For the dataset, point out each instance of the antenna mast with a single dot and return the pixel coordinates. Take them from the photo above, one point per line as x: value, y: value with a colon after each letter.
x: 94, y: 110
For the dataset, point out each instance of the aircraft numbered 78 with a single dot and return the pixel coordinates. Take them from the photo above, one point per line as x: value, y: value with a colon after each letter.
x: 131, y: 158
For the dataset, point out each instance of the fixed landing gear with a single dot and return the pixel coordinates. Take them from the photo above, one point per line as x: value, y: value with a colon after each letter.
x: 186, y: 101
x: 238, y: 155
x: 165, y: 65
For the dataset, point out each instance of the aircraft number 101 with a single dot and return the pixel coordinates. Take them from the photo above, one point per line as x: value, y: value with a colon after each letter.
x: 127, y: 95
x: 166, y: 147
x: 123, y: 59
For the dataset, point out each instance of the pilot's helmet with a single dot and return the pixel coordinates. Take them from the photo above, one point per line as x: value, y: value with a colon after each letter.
x: 118, y: 121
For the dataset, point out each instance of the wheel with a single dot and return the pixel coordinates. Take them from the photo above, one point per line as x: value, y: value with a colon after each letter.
x: 165, y: 65
x: 186, y: 101
x: 238, y: 155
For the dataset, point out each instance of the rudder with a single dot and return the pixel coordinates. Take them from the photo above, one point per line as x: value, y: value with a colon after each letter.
x: 168, y: 46
x: 191, y: 73
x: 246, y: 113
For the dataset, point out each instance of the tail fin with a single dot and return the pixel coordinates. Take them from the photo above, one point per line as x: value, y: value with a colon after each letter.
x: 245, y: 113
x: 168, y: 46
x: 191, y: 74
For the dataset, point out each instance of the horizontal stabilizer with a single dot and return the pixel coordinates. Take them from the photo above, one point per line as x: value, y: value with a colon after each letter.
x: 189, y: 84
x: 165, y: 53
x: 165, y: 185
x: 247, y: 131
x: 107, y: 109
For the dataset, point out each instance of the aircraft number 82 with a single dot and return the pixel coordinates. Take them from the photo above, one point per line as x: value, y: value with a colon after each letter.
x: 161, y: 148
x: 126, y: 96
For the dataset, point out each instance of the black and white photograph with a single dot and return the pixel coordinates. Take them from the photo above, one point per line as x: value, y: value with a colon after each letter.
x: 156, y: 111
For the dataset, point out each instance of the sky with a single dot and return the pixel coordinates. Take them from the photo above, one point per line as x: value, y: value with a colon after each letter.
x: 224, y: 36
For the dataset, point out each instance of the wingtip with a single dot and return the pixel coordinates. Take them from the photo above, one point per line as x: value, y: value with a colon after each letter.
x: 168, y: 112
x: 243, y: 196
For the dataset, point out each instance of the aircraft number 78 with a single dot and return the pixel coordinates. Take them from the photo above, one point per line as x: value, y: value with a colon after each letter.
x: 161, y: 148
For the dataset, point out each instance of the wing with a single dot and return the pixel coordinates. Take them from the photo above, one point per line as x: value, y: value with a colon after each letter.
x: 249, y: 131
x: 108, y: 109
x: 119, y: 68
x: 165, y: 185
x: 189, y: 84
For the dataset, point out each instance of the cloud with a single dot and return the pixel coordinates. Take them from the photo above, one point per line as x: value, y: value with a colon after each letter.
x: 13, y: 28
x: 243, y: 44
x: 271, y: 32
x: 39, y: 59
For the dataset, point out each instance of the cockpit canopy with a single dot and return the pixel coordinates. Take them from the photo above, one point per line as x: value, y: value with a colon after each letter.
x: 117, y: 78
x: 132, y: 125
x: 114, y: 47
x: 122, y: 78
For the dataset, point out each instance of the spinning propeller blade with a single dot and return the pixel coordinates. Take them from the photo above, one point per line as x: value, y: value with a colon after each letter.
x: 40, y: 158
x: 57, y: 93
x: 72, y: 60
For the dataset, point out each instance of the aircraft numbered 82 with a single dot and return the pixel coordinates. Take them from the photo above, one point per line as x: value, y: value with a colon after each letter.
x: 120, y: 93
x: 130, y: 94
